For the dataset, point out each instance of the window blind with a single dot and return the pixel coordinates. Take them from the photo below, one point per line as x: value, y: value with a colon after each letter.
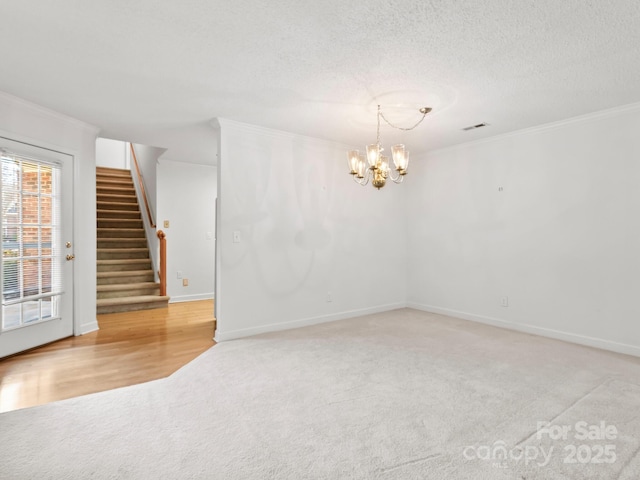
x: 31, y: 240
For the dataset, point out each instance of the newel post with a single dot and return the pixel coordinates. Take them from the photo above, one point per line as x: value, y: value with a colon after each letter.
x: 163, y: 263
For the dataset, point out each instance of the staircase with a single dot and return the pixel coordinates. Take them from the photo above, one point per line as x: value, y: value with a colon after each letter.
x: 125, y: 274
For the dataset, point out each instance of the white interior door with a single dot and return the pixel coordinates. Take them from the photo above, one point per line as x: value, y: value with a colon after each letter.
x: 37, y: 249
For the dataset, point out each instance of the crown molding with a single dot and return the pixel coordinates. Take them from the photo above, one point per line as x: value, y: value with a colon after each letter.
x: 17, y: 101
x: 586, y: 118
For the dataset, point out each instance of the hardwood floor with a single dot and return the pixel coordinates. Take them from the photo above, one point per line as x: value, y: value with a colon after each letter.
x: 129, y: 348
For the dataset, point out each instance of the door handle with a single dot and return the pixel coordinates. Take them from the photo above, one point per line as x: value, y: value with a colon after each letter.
x: 70, y: 257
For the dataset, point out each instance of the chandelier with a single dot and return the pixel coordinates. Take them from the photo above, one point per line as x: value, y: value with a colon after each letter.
x: 374, y: 166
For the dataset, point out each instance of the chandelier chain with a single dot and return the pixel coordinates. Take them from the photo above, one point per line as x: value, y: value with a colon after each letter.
x: 424, y: 114
x: 378, y: 131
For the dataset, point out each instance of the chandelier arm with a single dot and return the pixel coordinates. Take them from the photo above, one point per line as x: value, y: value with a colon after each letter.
x: 364, y: 181
x: 397, y: 180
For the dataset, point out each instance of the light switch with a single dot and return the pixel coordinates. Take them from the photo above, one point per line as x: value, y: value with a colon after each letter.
x: 166, y: 224
x: 236, y: 236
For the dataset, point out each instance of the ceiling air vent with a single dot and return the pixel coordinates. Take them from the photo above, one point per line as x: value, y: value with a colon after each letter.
x: 473, y: 127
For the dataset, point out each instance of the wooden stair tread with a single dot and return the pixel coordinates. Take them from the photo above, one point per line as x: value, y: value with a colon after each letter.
x: 113, y: 169
x: 104, y: 214
x: 138, y: 242
x: 109, y: 178
x: 123, y: 250
x: 126, y: 232
x: 115, y: 185
x: 136, y: 299
x: 110, y: 190
x: 126, y: 286
x: 124, y: 220
x: 120, y: 261
x: 119, y: 206
x: 124, y: 174
x: 110, y: 199
x: 123, y: 239
x: 103, y: 202
x: 125, y: 273
x: 140, y: 302
x: 113, y: 179
x: 115, y: 196
x: 111, y: 212
x: 112, y: 176
x: 120, y: 223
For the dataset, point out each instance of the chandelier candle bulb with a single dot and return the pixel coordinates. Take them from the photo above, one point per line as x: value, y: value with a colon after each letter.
x: 400, y: 158
x: 353, y: 161
x: 384, y: 164
x: 362, y: 166
x: 374, y: 166
x: 373, y: 154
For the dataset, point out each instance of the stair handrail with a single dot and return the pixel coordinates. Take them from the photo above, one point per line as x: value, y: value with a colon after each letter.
x: 162, y: 273
x: 141, y: 184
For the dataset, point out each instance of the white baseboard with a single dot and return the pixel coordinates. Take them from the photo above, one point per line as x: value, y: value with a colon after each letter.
x: 88, y: 327
x: 543, y: 332
x: 273, y: 327
x: 192, y: 298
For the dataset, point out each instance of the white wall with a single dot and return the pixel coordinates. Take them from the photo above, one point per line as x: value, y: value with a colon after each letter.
x: 25, y: 122
x: 111, y: 153
x: 186, y: 198
x: 305, y: 229
x: 561, y: 240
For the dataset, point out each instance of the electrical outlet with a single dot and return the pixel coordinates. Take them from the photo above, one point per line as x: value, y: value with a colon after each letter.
x: 236, y: 236
x: 166, y: 224
x: 185, y: 282
x: 504, y: 301
x: 329, y: 299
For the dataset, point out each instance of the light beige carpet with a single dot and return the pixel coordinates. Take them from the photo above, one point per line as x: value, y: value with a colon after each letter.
x: 404, y: 394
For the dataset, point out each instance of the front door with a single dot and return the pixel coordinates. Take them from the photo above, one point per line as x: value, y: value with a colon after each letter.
x: 37, y: 253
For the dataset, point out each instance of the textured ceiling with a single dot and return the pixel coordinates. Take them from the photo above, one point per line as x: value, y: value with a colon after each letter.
x: 156, y: 72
